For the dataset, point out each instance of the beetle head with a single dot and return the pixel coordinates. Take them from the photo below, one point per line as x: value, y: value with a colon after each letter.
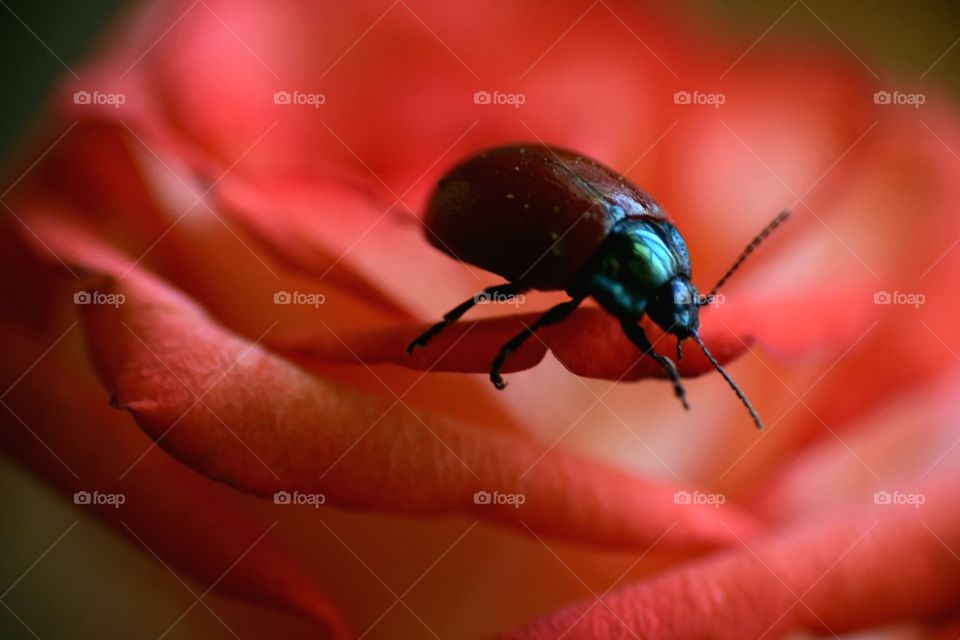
x: 675, y: 307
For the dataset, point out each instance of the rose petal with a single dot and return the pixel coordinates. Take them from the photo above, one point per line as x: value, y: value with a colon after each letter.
x: 878, y: 453
x: 199, y: 528
x: 336, y: 232
x: 886, y: 350
x: 263, y: 426
x: 589, y: 343
x: 833, y: 578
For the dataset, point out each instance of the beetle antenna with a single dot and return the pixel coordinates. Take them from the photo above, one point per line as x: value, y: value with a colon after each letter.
x: 726, y: 376
x: 760, y: 237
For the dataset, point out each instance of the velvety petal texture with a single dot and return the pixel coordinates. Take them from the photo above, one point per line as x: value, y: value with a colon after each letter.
x: 247, y: 418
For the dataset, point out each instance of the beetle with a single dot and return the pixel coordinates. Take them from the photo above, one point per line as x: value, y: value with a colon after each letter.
x: 547, y: 218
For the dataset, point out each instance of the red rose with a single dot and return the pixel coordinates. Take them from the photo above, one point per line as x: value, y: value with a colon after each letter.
x: 218, y: 225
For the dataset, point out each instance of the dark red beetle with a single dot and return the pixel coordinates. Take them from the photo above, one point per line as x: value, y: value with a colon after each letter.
x: 550, y: 219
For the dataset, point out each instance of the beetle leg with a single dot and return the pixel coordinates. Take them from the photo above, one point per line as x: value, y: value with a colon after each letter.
x: 509, y: 289
x: 639, y: 337
x: 552, y: 316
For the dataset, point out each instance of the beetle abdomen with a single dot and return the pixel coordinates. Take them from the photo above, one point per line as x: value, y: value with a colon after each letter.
x: 532, y: 214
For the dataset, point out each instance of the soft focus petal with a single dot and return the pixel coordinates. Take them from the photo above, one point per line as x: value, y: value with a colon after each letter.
x: 199, y: 528
x: 905, y: 197
x: 841, y: 576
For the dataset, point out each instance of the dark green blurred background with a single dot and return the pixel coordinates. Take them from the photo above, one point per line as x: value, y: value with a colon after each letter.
x: 27, y: 29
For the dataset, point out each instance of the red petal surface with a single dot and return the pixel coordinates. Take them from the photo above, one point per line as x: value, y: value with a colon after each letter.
x: 279, y: 418
x: 264, y: 425
x: 841, y: 576
x: 202, y: 530
x: 589, y: 343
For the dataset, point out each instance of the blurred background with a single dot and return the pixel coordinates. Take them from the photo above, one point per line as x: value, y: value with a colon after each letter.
x: 908, y: 37
x: 39, y: 41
